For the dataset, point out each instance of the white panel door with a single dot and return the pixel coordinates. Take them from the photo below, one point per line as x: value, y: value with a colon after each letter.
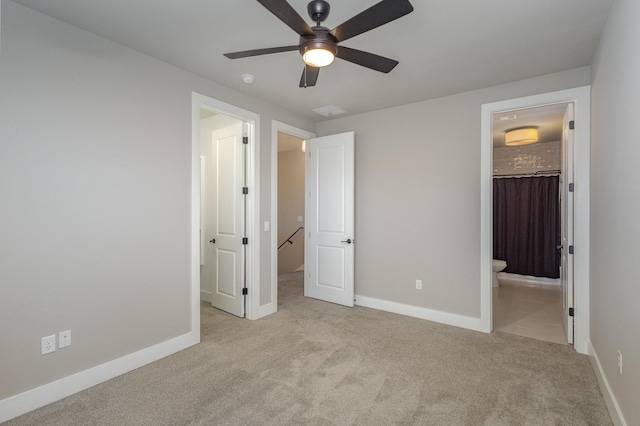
x: 566, y: 220
x: 329, y: 210
x: 229, y: 221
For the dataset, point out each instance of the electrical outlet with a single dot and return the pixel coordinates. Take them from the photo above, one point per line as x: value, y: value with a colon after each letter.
x: 620, y: 362
x: 64, y: 339
x: 418, y: 284
x: 48, y: 345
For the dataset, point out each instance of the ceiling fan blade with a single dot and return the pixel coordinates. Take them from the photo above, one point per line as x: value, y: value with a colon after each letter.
x: 257, y: 52
x: 366, y: 59
x: 311, y: 76
x: 377, y: 15
x: 288, y: 15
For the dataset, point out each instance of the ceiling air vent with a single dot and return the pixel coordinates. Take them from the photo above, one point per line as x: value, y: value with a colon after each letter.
x: 330, y: 111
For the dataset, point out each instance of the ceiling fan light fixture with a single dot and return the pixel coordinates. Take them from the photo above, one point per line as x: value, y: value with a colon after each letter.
x: 319, y: 51
x: 318, y: 57
x: 519, y: 137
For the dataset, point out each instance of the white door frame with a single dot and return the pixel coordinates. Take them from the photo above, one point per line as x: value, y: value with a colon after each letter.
x: 276, y: 127
x: 252, y: 210
x: 581, y: 97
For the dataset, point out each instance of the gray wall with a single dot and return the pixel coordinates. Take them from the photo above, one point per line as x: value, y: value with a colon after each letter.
x: 615, y: 205
x: 418, y: 195
x: 95, y: 145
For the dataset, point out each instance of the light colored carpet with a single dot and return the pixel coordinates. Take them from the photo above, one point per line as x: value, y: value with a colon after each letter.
x: 322, y: 364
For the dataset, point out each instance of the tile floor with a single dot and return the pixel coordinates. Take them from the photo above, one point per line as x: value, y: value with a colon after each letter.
x: 529, y: 310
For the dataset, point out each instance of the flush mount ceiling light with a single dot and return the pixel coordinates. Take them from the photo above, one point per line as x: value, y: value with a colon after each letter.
x: 519, y: 137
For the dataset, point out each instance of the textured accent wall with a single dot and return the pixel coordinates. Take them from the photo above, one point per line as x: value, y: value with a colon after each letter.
x: 527, y: 159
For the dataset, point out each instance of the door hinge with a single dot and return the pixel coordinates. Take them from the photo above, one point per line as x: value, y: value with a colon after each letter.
x: 571, y: 312
x: 571, y: 187
x: 245, y: 291
x: 572, y: 125
x: 245, y: 190
x: 245, y: 241
x: 570, y: 249
x: 245, y: 140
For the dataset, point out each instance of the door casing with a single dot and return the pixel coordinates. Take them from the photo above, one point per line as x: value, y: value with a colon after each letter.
x: 581, y: 98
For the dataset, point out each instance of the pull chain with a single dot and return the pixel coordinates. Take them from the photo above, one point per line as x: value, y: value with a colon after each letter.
x: 305, y: 69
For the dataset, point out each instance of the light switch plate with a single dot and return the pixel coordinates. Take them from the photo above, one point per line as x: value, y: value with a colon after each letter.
x: 64, y: 339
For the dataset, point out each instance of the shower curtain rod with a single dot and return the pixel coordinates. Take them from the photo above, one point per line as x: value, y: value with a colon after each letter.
x: 538, y: 173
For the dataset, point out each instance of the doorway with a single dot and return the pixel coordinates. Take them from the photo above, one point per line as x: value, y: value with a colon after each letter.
x: 243, y: 254
x: 580, y: 98
x: 527, y: 221
x: 286, y: 138
x: 223, y: 217
x: 290, y: 220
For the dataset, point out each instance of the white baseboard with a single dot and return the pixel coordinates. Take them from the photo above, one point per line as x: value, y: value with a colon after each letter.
x: 264, y: 310
x: 17, y: 405
x: 448, y: 318
x: 528, y: 279
x: 607, y: 393
x: 205, y: 296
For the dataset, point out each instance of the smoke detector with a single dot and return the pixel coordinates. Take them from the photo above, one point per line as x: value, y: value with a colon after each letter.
x: 247, y: 78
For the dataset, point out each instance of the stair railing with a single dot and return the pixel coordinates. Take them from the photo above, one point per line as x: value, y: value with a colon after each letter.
x: 288, y: 240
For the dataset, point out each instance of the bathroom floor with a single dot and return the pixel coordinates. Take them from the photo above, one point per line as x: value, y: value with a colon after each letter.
x: 529, y: 310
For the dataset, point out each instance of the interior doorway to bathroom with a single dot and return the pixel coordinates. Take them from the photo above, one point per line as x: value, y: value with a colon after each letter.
x: 529, y: 147
x: 577, y: 262
x: 531, y: 163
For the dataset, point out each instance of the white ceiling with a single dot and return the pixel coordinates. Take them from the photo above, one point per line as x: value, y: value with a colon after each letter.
x: 443, y: 46
x: 547, y: 119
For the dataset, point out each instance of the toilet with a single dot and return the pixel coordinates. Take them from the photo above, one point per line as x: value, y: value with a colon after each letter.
x: 497, y: 266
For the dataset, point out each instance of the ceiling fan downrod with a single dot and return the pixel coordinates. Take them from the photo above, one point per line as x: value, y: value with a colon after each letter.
x: 318, y: 10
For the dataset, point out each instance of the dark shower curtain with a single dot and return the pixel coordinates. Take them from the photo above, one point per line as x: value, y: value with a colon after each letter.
x: 526, y: 225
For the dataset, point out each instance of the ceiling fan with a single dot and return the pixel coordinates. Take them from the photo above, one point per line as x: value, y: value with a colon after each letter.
x: 319, y: 46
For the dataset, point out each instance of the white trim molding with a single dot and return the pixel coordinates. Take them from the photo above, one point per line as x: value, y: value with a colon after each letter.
x: 30, y: 400
x: 470, y: 323
x: 581, y: 98
x: 609, y: 398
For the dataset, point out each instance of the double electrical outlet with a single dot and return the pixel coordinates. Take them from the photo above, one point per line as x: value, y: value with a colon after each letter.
x: 48, y: 343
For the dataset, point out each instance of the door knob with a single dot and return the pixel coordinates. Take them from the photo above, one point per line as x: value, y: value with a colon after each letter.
x: 212, y: 241
x: 348, y: 241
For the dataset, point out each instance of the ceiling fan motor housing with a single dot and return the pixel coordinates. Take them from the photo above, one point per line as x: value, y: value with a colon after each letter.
x: 322, y: 39
x: 318, y: 10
